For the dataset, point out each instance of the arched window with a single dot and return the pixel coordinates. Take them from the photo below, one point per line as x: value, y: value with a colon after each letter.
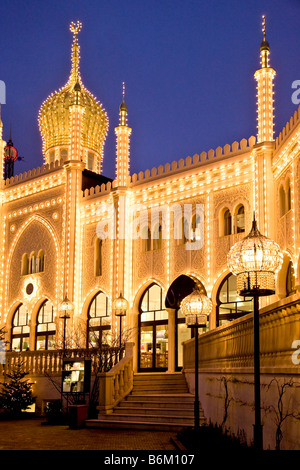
x: 32, y: 263
x: 290, y: 280
x: 98, y: 322
x: 146, y: 238
x: 196, y: 229
x: 20, y: 329
x: 153, y: 330
x: 229, y: 304
x: 25, y: 265
x: 227, y: 222
x: 64, y: 154
x: 288, y: 195
x: 90, y: 161
x: 240, y: 219
x: 40, y: 262
x: 98, y: 257
x: 282, y: 201
x: 45, y: 328
x: 157, y: 237
x: 52, y: 157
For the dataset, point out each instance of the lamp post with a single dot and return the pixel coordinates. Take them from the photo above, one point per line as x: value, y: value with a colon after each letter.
x: 255, y: 261
x: 196, y: 307
x: 66, y: 306
x: 120, y: 307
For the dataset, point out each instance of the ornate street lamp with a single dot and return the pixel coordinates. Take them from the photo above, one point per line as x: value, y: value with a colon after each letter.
x: 255, y: 260
x: 196, y: 307
x: 65, y: 306
x: 120, y: 307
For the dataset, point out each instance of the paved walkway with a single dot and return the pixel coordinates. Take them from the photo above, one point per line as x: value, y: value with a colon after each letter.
x: 31, y: 434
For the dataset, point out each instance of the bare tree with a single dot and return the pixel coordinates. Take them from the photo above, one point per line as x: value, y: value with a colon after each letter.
x: 281, y: 411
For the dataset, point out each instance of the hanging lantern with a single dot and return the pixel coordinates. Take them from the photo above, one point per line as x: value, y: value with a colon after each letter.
x: 255, y: 261
x: 196, y: 307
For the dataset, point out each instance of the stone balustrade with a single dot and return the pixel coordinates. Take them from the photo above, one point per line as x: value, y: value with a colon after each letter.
x: 231, y: 345
x: 37, y: 363
x: 117, y: 383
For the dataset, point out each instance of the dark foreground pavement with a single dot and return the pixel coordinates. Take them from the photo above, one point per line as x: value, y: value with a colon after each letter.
x: 31, y: 434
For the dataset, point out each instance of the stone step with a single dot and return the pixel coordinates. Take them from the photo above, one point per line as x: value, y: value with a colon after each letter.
x: 151, y: 411
x: 141, y: 397
x: 131, y: 424
x: 155, y: 391
x: 156, y: 404
x: 167, y: 378
x: 158, y: 418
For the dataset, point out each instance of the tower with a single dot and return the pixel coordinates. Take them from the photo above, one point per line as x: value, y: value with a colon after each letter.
x: 265, y: 103
x: 263, y: 150
x: 123, y: 145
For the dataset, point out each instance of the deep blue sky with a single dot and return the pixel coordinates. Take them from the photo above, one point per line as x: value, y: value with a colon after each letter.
x: 188, y: 68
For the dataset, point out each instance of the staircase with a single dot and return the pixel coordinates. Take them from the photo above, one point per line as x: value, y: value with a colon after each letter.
x: 158, y: 401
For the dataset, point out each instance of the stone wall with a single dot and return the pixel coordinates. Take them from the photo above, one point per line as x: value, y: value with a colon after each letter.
x: 226, y: 362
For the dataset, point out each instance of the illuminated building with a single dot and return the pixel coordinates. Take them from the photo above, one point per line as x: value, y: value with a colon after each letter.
x: 67, y: 230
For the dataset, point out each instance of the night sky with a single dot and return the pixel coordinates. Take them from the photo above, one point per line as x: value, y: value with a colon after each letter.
x: 188, y: 68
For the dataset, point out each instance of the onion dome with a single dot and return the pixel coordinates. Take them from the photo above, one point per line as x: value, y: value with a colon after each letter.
x: 255, y: 260
x: 55, y: 119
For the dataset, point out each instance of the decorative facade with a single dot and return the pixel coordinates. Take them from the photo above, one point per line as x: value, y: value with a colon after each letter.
x: 67, y: 230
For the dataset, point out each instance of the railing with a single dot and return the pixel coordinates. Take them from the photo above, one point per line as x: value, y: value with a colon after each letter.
x: 117, y: 383
x: 230, y: 347
x: 37, y: 363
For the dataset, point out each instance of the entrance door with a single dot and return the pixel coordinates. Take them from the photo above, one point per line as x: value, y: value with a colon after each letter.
x: 153, y: 331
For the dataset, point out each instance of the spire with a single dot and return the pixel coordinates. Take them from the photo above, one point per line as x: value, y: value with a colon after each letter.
x: 123, y: 109
x: 75, y: 75
x: 264, y: 47
x: 265, y: 102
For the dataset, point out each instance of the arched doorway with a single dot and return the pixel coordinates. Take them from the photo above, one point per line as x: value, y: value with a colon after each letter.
x: 179, y: 289
x: 153, y: 331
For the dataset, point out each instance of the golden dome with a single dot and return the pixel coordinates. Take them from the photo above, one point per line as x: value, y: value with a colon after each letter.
x: 55, y: 116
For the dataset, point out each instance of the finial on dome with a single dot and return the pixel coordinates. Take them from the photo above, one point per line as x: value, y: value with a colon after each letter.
x: 75, y: 28
x: 264, y: 26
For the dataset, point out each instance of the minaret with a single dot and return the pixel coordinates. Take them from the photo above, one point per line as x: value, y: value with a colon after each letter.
x: 120, y: 198
x: 123, y: 145
x: 265, y: 103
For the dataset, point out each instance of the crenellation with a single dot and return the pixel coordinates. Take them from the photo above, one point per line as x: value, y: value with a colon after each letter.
x: 196, y: 159
x: 188, y: 161
x: 211, y: 154
x: 226, y: 149
x: 219, y: 151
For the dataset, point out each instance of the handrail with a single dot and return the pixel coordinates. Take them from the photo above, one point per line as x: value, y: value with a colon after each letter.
x: 117, y: 383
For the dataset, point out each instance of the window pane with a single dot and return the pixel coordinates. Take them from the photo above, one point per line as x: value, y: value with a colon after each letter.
x: 161, y: 357
x: 147, y: 316
x: 42, y: 327
x: 155, y: 298
x: 146, y: 355
x: 41, y: 342
x: 101, y: 305
x: 161, y: 315
x: 144, y: 304
x: 16, y: 344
